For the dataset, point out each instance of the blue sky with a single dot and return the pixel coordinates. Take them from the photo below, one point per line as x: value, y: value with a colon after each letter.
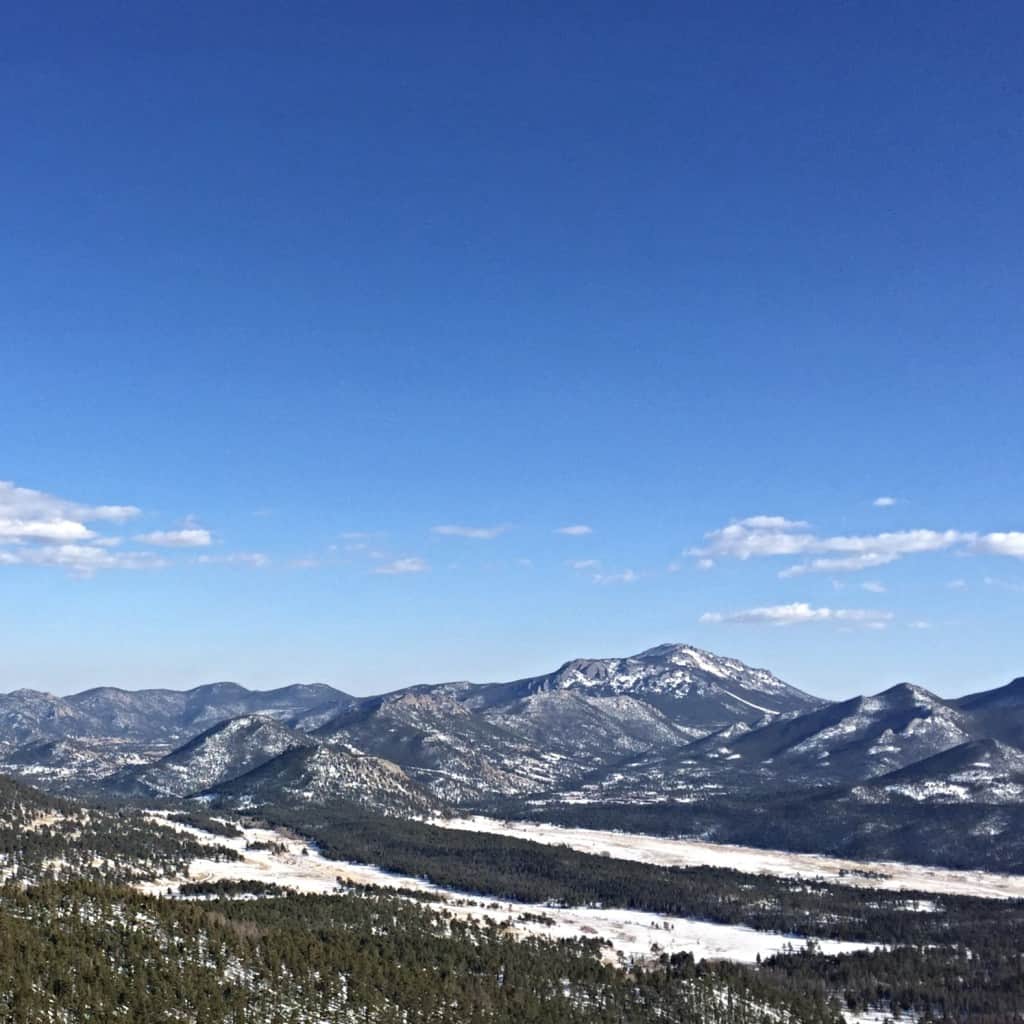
x: 290, y: 289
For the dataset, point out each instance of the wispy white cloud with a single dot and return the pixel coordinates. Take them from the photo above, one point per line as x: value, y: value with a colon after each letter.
x: 189, y: 537
x: 30, y: 515
x: 626, y: 576
x: 800, y: 612
x: 958, y: 584
x: 53, y: 529
x: 851, y: 563
x: 472, y: 532
x: 579, y: 530
x: 583, y: 564
x: 776, y: 537
x: 773, y: 523
x: 80, y: 559
x: 920, y: 624
x: 1010, y: 544
x: 758, y: 536
x: 885, y: 501
x: 402, y: 567
x: 253, y: 559
x: 773, y: 536
x: 23, y: 502
x: 40, y: 529
x: 873, y: 587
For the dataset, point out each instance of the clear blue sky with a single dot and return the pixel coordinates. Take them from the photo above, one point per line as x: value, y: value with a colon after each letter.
x: 294, y: 285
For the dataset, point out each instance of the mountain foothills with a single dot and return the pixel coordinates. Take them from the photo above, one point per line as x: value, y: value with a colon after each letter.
x: 672, y: 740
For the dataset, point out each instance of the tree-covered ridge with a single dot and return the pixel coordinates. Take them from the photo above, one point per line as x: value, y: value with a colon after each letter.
x: 82, y: 952
x: 835, y: 821
x: 48, y: 837
x: 980, y: 983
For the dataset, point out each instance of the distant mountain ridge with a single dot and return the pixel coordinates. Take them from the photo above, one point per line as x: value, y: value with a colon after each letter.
x: 147, y: 716
x: 836, y: 745
x: 670, y: 724
x: 257, y: 759
x: 997, y: 713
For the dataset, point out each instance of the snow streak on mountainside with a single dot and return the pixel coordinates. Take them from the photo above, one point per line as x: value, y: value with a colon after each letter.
x: 984, y: 771
x: 695, y: 688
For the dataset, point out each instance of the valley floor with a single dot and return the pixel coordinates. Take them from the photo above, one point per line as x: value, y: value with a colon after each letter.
x: 299, y: 866
x: 648, y: 849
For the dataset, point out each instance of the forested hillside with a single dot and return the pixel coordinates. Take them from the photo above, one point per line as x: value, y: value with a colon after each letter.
x: 80, y: 952
x: 46, y: 837
x: 841, y: 821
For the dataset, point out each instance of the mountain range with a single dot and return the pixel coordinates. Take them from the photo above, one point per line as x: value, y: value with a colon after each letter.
x: 149, y: 716
x: 670, y: 726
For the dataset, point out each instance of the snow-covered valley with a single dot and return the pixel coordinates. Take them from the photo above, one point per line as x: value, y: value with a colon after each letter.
x: 887, y: 875
x: 292, y: 863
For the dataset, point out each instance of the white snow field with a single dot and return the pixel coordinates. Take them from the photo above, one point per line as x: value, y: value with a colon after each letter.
x: 696, y: 853
x: 631, y: 933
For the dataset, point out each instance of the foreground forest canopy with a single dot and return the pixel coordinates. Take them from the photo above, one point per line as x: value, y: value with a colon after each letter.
x: 82, y: 952
x: 77, y: 948
x: 91, y: 952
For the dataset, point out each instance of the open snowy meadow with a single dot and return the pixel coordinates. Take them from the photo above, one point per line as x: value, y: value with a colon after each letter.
x: 297, y: 865
x: 648, y: 849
